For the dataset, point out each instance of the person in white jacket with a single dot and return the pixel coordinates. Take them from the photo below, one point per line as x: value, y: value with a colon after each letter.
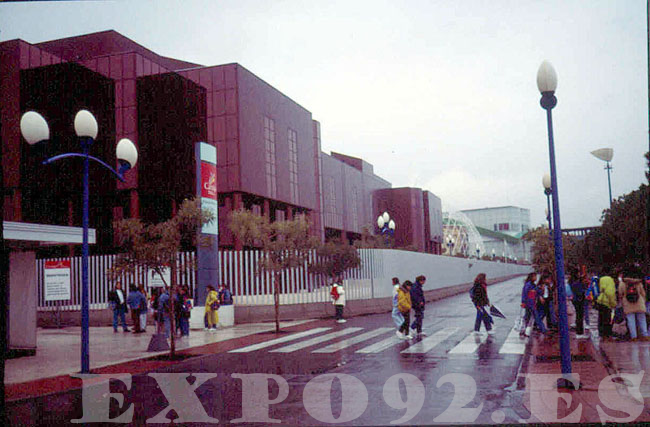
x: 338, y: 298
x: 396, y: 315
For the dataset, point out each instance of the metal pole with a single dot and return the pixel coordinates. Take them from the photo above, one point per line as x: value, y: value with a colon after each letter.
x: 548, y: 217
x: 548, y: 102
x: 609, y: 183
x: 85, y: 359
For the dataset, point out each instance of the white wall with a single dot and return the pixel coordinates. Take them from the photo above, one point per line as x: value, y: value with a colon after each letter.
x: 440, y: 271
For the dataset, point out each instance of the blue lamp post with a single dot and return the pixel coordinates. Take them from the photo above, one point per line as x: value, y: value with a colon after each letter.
x: 547, y: 83
x: 386, y: 225
x: 34, y: 129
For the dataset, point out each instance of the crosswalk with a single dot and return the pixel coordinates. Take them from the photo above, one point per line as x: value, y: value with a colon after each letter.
x: 448, y: 340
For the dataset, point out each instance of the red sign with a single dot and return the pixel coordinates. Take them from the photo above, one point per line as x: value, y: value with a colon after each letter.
x: 208, y: 180
x: 57, y: 264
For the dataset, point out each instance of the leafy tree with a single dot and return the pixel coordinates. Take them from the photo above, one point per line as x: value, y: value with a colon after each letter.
x: 155, y: 246
x: 543, y: 250
x: 284, y: 244
x: 335, y: 258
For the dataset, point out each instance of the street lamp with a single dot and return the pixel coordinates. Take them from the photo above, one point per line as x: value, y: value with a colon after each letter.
x: 493, y: 254
x: 547, y: 83
x: 450, y: 244
x: 34, y: 129
x: 606, y: 154
x: 478, y: 251
x: 386, y: 225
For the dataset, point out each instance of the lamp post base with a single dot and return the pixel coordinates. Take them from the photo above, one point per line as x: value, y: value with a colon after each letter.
x: 568, y: 382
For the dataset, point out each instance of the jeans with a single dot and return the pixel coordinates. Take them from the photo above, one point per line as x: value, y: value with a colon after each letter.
x: 417, y: 323
x: 405, y: 325
x: 480, y: 316
x: 167, y: 325
x: 634, y: 319
x: 143, y: 320
x: 339, y: 312
x: 580, y: 316
x: 184, y: 323
x: 119, y: 311
x: 531, y: 312
x: 397, y: 317
x: 587, y: 312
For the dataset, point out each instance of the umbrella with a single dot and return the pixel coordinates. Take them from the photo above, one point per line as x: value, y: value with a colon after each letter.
x: 494, y: 311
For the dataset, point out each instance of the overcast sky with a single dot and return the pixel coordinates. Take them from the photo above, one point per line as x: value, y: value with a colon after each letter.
x: 435, y: 94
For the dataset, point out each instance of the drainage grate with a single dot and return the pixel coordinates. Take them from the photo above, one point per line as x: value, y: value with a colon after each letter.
x: 574, y: 358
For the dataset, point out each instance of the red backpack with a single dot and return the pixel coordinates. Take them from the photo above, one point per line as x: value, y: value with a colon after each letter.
x: 631, y: 293
x: 334, y: 293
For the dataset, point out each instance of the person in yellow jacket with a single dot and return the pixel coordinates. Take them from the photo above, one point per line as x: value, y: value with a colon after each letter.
x: 606, y: 303
x: 404, y: 307
x: 211, y: 308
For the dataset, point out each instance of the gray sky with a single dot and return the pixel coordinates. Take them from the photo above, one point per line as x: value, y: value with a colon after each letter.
x: 435, y: 94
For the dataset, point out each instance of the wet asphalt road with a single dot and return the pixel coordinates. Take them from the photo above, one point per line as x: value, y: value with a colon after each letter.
x: 481, y: 384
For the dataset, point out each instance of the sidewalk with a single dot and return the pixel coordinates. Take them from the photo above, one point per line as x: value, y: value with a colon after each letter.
x: 59, y: 354
x: 592, y: 361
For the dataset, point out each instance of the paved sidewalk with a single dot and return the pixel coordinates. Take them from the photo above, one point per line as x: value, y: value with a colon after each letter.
x: 59, y: 354
x: 592, y: 361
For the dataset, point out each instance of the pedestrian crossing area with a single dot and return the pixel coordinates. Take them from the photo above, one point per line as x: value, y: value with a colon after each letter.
x: 449, y: 340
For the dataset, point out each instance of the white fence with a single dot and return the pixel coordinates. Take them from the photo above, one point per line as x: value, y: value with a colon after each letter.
x: 239, y: 270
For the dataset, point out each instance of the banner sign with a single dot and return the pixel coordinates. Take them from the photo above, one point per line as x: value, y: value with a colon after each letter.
x: 155, y: 281
x: 208, y: 186
x: 57, y: 280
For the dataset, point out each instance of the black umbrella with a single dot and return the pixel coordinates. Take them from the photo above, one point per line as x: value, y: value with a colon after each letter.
x: 494, y: 311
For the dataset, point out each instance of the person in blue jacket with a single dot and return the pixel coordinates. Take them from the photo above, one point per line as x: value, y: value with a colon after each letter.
x: 529, y: 302
x: 417, y: 301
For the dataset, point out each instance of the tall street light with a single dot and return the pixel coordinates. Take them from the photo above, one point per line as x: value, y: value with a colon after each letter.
x: 547, y: 83
x: 450, y: 244
x: 34, y: 129
x: 606, y: 155
x: 386, y: 225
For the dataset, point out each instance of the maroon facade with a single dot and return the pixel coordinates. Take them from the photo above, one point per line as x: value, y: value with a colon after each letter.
x: 269, y: 155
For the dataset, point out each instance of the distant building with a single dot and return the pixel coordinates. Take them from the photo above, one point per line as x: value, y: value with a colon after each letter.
x: 510, y: 220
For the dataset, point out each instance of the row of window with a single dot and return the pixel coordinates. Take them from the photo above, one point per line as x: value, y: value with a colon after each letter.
x: 271, y: 165
x: 510, y: 227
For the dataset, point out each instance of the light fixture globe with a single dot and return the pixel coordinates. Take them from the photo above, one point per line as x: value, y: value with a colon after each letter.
x: 546, y: 181
x: 85, y: 124
x: 546, y: 78
x: 126, y: 152
x: 604, y: 154
x: 386, y: 216
x: 380, y: 222
x: 34, y: 128
x: 391, y: 224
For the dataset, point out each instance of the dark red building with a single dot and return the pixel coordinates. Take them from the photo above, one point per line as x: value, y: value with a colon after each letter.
x: 269, y: 155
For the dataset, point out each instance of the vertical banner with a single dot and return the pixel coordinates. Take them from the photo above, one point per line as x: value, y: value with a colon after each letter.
x: 207, y: 272
x: 57, y: 280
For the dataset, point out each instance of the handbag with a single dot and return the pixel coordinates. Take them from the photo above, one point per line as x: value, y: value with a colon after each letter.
x: 214, y: 306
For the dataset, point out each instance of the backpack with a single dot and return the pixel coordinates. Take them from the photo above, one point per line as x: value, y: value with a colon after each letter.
x: 471, y: 294
x: 631, y: 293
x: 334, y: 293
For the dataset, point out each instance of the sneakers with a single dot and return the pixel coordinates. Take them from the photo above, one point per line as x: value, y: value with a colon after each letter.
x: 476, y: 333
x: 582, y: 337
x: 341, y: 321
x: 213, y: 329
x: 491, y: 332
x: 399, y: 335
x: 422, y: 334
x: 409, y: 337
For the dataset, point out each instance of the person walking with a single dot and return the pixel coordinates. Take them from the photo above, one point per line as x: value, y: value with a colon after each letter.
x: 577, y: 284
x: 185, y: 311
x: 633, y: 297
x: 117, y: 300
x: 605, y: 303
x: 478, y: 294
x: 211, y: 308
x: 591, y: 294
x: 529, y: 302
x: 164, y: 311
x: 337, y: 294
x: 404, y: 306
x: 135, y: 301
x: 418, y: 302
x: 225, y: 296
x: 143, y: 308
x: 396, y: 315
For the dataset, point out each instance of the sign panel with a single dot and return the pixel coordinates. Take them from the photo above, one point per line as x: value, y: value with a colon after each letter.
x: 57, y: 280
x: 208, y: 187
x: 155, y: 281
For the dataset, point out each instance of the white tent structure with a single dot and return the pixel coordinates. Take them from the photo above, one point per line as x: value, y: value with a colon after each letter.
x: 460, y: 230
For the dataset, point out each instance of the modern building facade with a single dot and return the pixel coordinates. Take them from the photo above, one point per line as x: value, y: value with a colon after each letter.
x: 269, y: 157
x: 510, y: 220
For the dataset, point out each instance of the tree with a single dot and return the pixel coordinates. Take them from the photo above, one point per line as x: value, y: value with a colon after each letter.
x: 284, y: 244
x: 155, y: 246
x: 369, y: 240
x: 335, y: 258
x: 543, y: 250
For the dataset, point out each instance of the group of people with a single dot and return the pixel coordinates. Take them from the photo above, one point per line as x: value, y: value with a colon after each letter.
x: 159, y: 303
x: 624, y: 300
x: 408, y: 296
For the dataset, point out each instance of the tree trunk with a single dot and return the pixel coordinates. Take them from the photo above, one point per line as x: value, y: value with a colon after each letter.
x: 172, y: 306
x: 276, y: 298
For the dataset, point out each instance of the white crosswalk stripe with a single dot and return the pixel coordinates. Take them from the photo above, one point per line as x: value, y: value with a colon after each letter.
x: 429, y: 343
x: 513, y: 344
x: 317, y: 340
x: 469, y: 345
x: 332, y: 348
x: 381, y: 345
x: 270, y: 343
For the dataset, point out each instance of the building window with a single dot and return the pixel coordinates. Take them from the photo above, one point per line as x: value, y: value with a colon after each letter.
x: 504, y: 227
x: 292, y: 137
x: 269, y: 155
